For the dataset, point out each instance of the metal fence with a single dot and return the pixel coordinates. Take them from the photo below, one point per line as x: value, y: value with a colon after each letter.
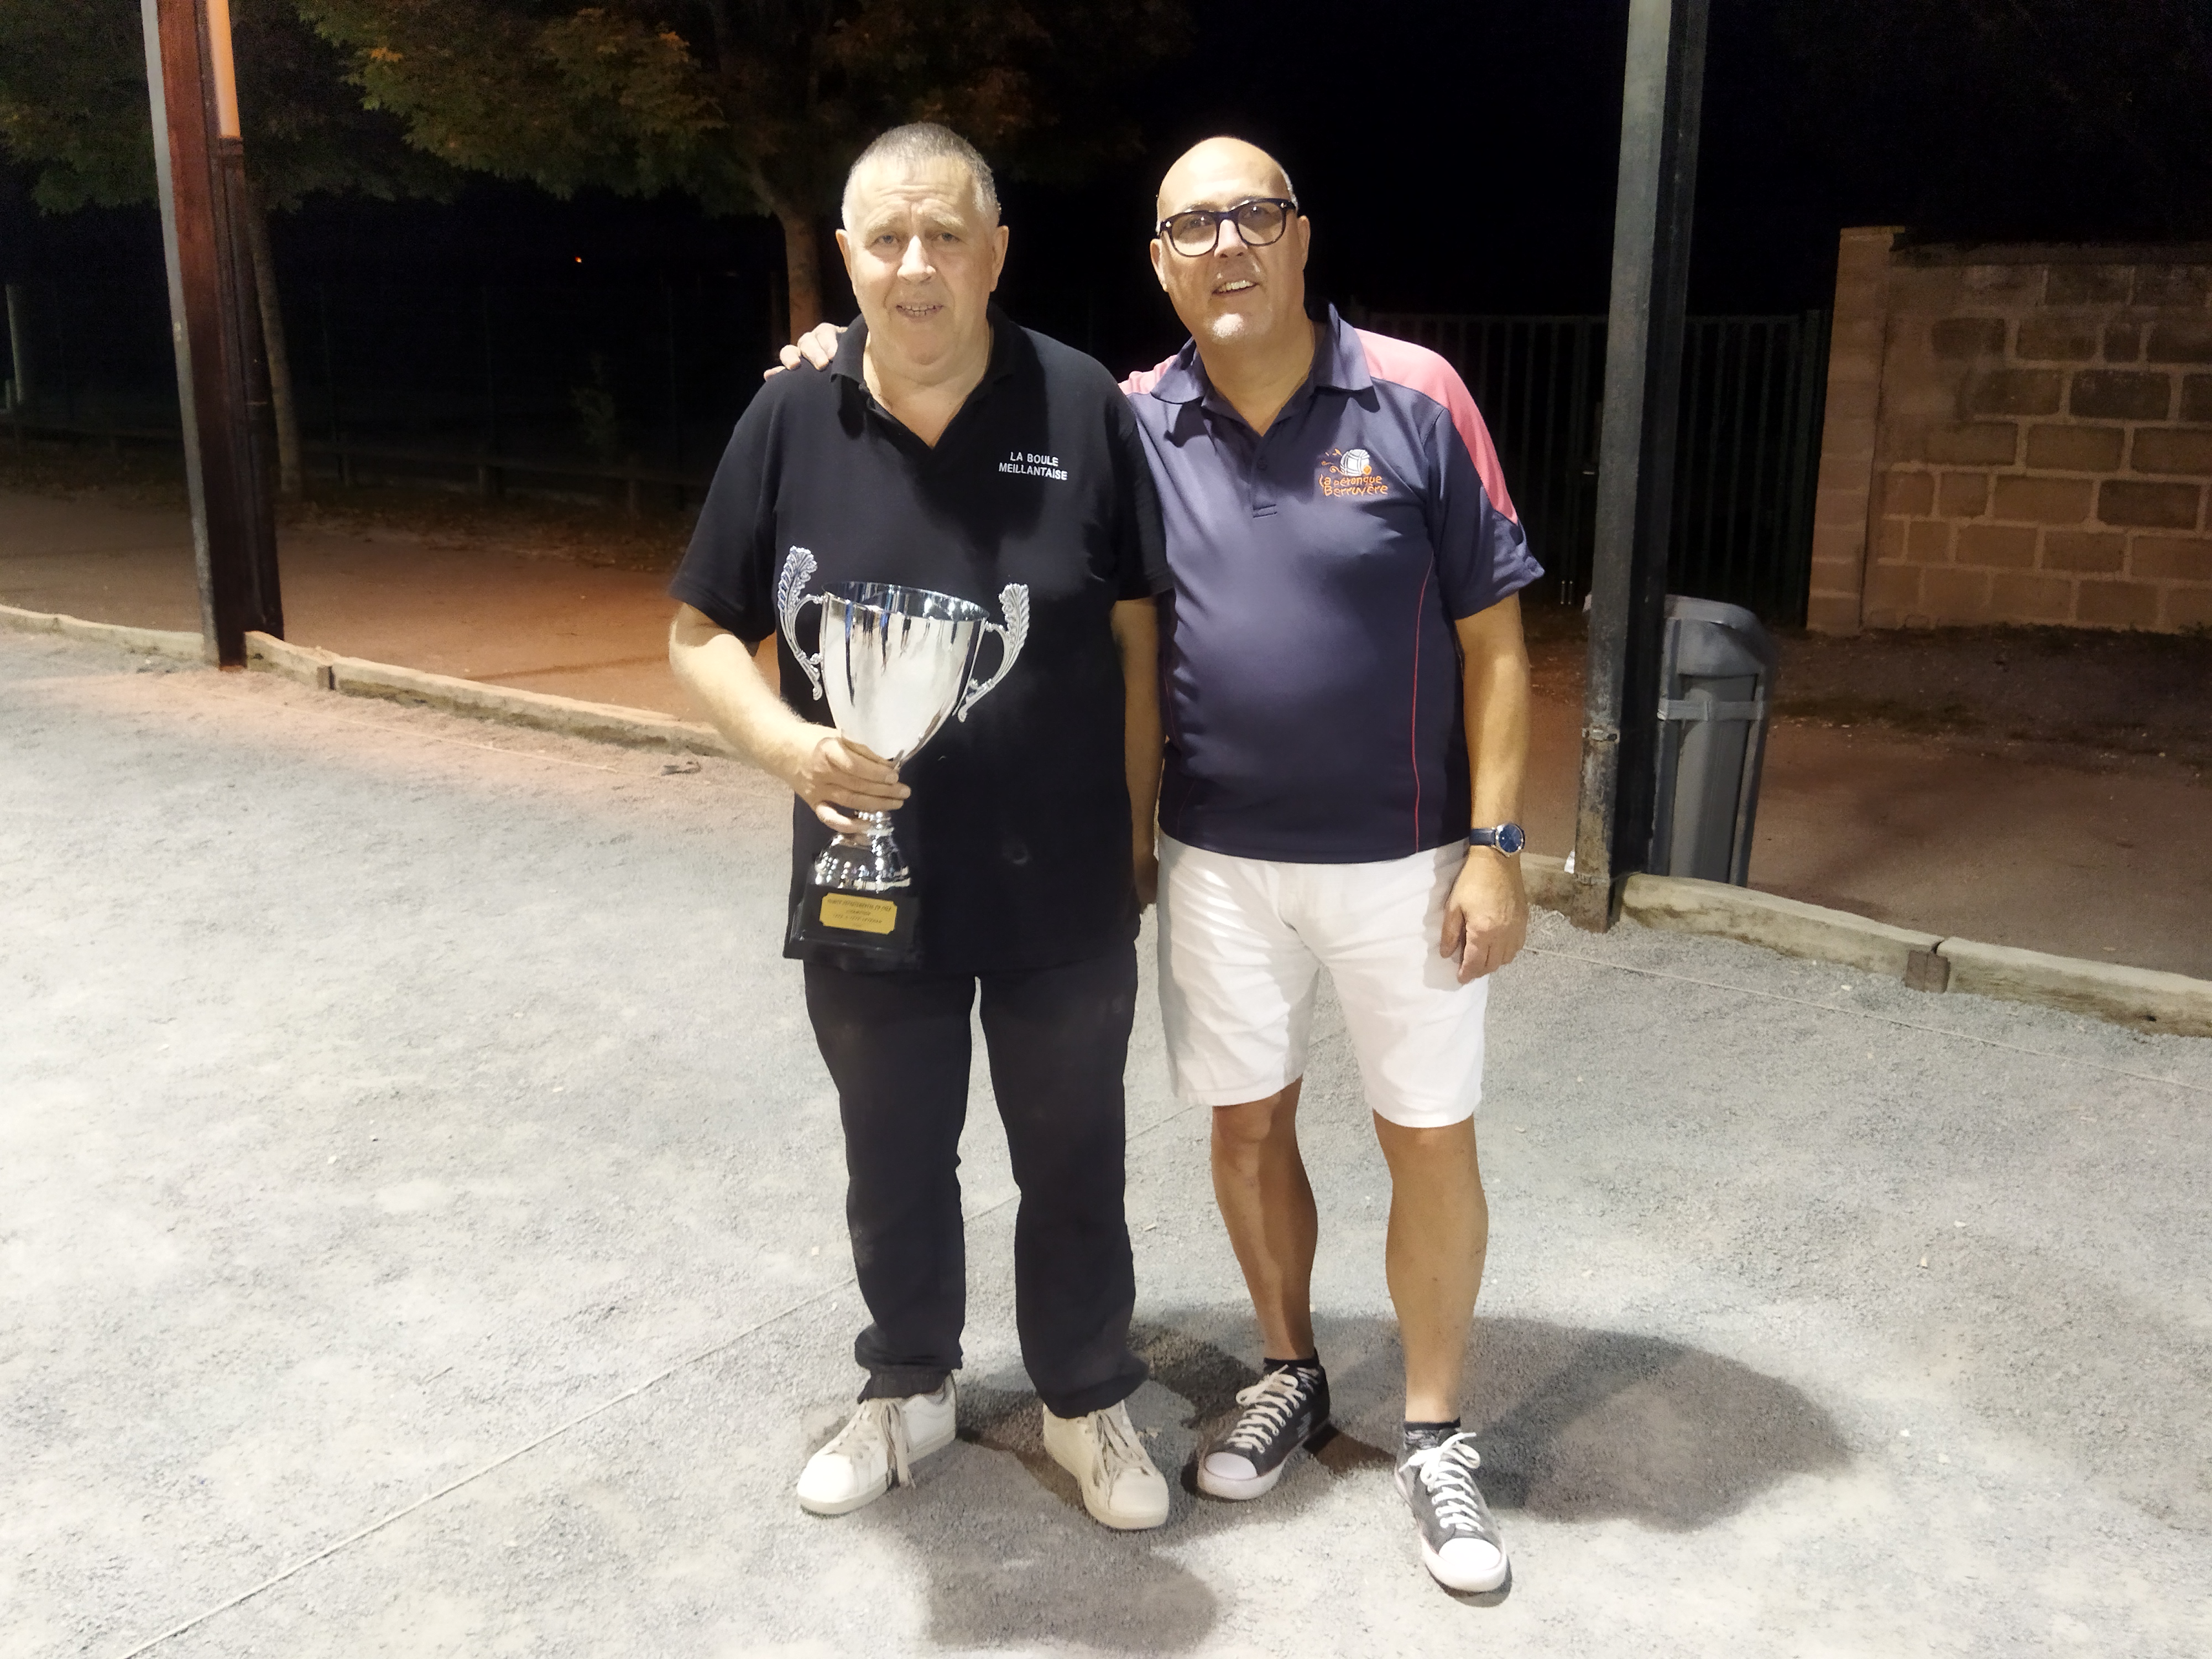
x: 620, y: 376
x: 627, y: 381
x: 1749, y: 446
x: 612, y: 371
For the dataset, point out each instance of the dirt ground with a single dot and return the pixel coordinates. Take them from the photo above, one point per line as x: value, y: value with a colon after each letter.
x: 2108, y: 694
x: 2041, y: 787
x: 2112, y: 693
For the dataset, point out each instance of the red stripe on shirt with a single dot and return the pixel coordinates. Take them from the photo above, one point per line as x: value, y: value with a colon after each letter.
x: 1413, y: 719
x: 1422, y: 370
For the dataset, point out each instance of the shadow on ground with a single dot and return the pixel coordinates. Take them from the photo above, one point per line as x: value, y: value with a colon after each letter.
x: 1579, y: 1426
x: 1590, y: 1425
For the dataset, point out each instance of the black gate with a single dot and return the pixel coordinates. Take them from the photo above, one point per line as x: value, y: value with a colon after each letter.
x: 1753, y: 389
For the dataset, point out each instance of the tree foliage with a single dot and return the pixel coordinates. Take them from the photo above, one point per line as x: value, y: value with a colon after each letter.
x: 69, y: 81
x: 747, y: 106
x: 73, y: 107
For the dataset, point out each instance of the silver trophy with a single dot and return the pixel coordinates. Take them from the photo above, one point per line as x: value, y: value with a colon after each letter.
x: 895, y: 663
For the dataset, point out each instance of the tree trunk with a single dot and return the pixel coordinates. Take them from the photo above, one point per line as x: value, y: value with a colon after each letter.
x: 280, y: 403
x: 802, y: 264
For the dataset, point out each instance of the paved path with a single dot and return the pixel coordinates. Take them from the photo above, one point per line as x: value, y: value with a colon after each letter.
x: 419, y: 1235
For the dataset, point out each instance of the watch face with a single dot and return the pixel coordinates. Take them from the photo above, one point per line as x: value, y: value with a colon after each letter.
x: 1509, y: 839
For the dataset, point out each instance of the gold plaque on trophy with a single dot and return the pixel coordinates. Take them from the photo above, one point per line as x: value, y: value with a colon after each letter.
x: 862, y: 915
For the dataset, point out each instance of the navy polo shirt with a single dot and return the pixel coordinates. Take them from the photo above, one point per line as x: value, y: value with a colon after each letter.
x: 1310, y: 665
x: 1017, y: 830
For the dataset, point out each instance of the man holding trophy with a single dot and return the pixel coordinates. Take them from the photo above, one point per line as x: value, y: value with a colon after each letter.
x: 952, y: 540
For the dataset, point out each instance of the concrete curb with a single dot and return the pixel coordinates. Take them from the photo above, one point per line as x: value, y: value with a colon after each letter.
x: 1793, y: 929
x: 2139, y: 997
x: 150, y: 642
x: 2143, y: 998
x: 602, y: 722
x: 269, y: 654
x: 1547, y: 881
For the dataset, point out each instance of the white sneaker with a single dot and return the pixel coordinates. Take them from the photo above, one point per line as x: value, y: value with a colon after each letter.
x: 872, y: 1454
x: 1101, y: 1450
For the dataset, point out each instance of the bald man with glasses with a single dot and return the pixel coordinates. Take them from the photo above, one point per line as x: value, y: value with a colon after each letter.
x: 1347, y: 718
x: 1346, y: 730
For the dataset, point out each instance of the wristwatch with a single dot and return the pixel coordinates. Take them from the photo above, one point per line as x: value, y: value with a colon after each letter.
x: 1506, y: 838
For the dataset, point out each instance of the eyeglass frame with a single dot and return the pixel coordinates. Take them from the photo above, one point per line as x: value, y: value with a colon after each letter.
x: 1227, y: 215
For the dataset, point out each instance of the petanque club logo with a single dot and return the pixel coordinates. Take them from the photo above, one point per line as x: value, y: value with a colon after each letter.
x: 1349, y: 473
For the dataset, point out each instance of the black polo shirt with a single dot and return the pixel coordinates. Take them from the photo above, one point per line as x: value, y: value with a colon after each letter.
x: 1017, y: 830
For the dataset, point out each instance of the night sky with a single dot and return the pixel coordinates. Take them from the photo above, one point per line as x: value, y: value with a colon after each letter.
x: 1454, y: 156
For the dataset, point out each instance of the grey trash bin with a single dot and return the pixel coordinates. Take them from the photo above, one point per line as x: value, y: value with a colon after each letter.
x: 1717, y: 679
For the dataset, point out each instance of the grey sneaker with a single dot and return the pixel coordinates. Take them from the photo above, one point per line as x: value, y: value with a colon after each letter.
x: 1460, y: 1544
x: 1285, y: 1409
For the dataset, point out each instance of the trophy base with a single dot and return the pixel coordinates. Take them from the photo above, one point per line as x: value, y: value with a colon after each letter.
x: 877, y: 928
x: 859, y: 899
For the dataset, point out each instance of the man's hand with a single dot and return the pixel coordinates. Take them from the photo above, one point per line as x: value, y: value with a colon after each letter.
x: 737, y: 686
x: 1136, y: 624
x: 1486, y: 918
x: 834, y: 773
x: 815, y: 349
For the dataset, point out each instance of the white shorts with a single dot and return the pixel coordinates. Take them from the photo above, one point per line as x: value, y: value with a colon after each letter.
x: 1241, y: 940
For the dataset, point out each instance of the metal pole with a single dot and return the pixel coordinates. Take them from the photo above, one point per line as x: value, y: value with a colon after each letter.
x: 491, y: 478
x: 60, y: 337
x: 330, y: 390
x: 19, y: 344
x: 1660, y: 92
x: 215, y: 322
x: 675, y: 396
x: 491, y: 377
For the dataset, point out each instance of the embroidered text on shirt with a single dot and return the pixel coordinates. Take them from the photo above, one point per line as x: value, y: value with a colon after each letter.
x: 1034, y: 466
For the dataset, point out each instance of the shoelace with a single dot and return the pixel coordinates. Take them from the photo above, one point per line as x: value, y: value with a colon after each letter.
x: 1118, y: 1447
x: 879, y: 1419
x: 1447, y: 1475
x: 1269, y: 1403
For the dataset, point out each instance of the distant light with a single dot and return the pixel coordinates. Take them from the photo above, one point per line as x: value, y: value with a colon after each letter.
x: 579, y: 258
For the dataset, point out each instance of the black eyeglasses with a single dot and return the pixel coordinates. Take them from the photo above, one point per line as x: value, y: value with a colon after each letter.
x: 1197, y: 231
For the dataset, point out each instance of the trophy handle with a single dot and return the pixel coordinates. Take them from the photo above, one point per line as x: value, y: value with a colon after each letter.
x: 790, y: 599
x: 1014, y: 601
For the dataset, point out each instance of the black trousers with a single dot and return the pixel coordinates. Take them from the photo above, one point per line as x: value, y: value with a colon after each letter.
x: 897, y: 1048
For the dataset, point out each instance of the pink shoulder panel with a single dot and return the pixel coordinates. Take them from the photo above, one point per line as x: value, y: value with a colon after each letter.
x: 1144, y: 379
x: 1419, y: 369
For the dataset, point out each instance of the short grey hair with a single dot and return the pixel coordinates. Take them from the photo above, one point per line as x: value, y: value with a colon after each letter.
x: 922, y: 142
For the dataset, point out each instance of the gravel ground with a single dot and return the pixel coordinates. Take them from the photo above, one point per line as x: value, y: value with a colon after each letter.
x: 420, y: 1234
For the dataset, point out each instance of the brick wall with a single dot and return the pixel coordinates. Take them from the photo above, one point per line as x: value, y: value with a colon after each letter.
x: 2016, y: 435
